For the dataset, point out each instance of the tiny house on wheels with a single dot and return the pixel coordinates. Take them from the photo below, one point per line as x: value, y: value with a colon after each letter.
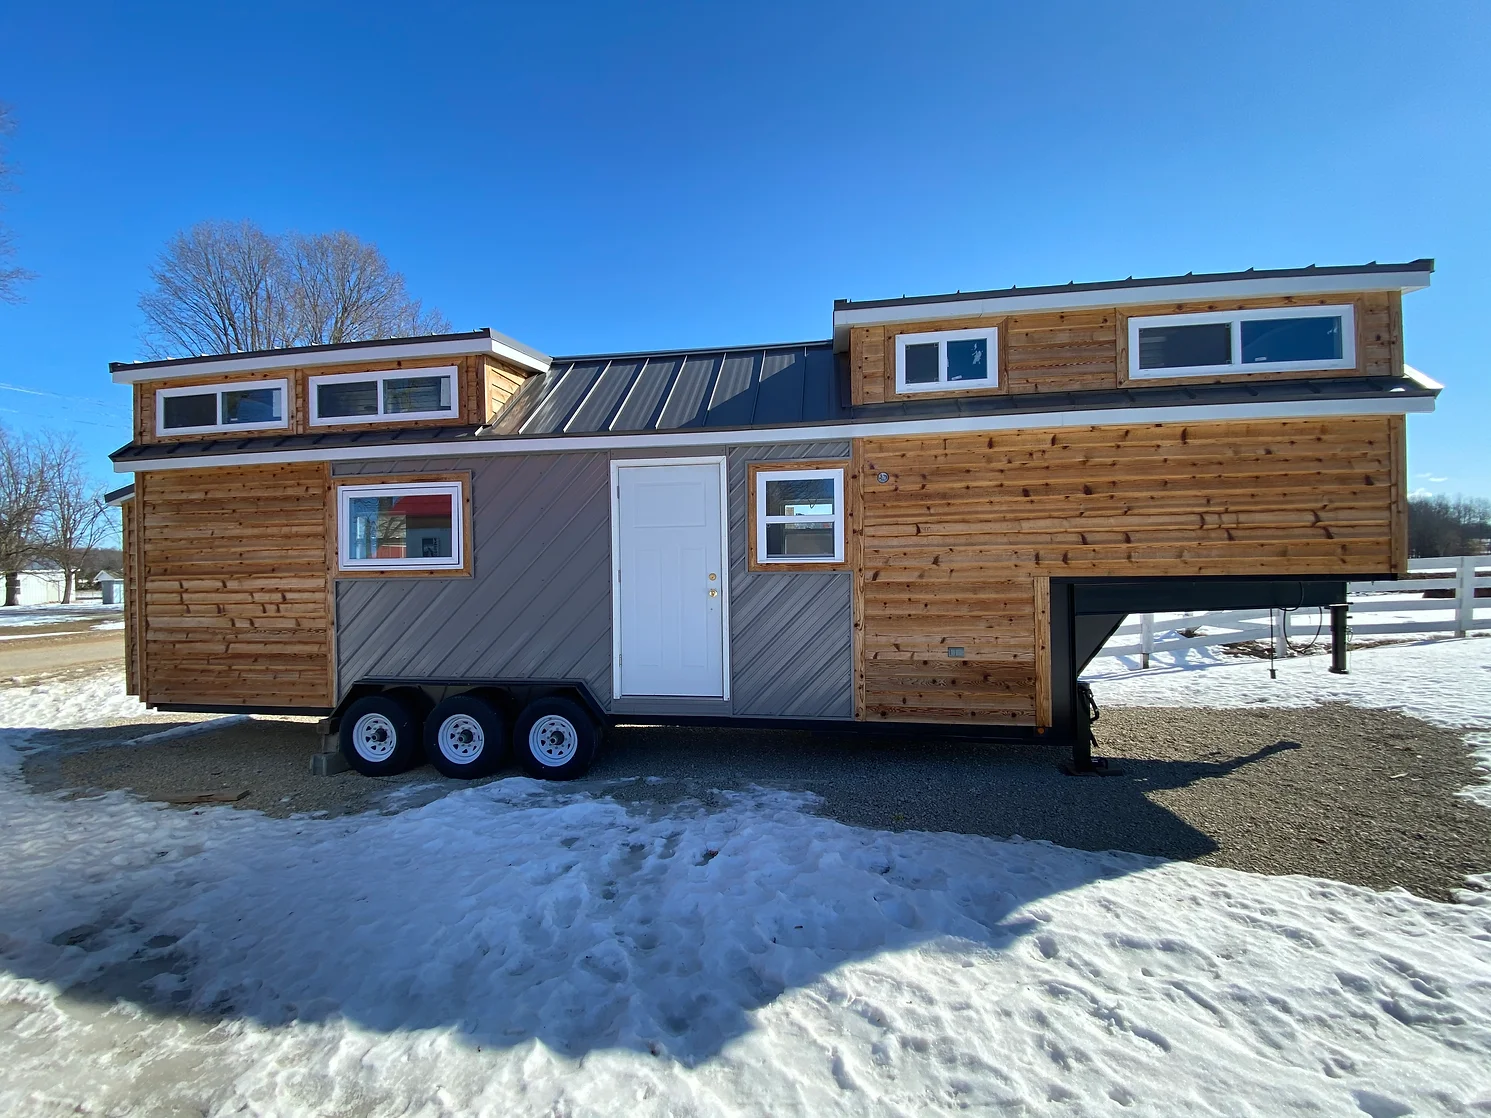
x: 458, y: 547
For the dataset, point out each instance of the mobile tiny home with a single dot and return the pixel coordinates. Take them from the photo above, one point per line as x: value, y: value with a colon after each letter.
x: 933, y: 517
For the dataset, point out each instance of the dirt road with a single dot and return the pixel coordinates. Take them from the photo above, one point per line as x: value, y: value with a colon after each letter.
x: 24, y: 658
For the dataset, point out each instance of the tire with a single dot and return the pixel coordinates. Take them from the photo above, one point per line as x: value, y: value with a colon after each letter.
x: 380, y: 736
x: 465, y: 737
x: 555, y: 738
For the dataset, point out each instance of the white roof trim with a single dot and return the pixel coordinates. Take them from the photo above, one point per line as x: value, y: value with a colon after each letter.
x: 670, y: 440
x: 1015, y: 301
x: 497, y: 345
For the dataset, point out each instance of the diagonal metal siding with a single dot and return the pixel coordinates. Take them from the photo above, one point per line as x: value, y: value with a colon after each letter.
x: 539, y: 605
x: 791, y: 634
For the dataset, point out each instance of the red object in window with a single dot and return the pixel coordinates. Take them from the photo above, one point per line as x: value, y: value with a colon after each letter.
x: 423, y: 504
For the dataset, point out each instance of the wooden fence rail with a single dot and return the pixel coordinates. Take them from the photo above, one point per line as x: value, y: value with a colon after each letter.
x: 1377, y: 609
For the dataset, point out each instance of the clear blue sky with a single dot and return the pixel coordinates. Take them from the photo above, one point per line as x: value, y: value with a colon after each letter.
x: 592, y: 178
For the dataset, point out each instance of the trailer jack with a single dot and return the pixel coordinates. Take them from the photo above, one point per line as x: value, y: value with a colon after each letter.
x: 1083, y: 763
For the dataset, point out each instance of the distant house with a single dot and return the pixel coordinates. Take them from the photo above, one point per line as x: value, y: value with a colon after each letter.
x: 111, y: 586
x: 41, y: 584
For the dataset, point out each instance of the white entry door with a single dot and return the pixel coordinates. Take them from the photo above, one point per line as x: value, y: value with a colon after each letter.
x: 670, y: 579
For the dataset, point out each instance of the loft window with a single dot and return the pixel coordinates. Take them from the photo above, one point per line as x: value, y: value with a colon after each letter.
x: 247, y: 405
x: 395, y: 527
x: 1271, y: 339
x: 947, y: 360
x: 799, y: 515
x: 395, y: 393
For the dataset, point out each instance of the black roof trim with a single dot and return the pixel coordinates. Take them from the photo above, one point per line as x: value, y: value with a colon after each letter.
x: 246, y: 355
x: 699, y: 351
x: 447, y: 441
x: 1424, y: 264
x: 119, y: 494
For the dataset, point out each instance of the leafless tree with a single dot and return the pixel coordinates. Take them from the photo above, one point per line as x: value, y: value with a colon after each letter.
x: 11, y: 277
x: 226, y: 288
x: 75, y: 520
x: 23, y: 500
x: 344, y: 291
x: 219, y: 288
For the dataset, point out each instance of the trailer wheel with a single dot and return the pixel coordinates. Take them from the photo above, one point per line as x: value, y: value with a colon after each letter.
x: 380, y: 736
x: 465, y: 737
x: 555, y: 738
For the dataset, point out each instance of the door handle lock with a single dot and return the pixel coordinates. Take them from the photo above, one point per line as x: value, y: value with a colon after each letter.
x: 714, y: 593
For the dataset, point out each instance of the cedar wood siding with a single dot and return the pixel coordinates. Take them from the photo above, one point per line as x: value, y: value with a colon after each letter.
x: 1088, y: 349
x: 539, y: 605
x: 231, y: 566
x: 956, y: 548
x: 483, y: 385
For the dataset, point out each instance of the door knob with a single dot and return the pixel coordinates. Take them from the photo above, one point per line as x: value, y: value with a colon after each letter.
x: 714, y: 593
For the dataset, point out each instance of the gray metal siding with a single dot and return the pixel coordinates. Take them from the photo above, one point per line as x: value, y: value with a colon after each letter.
x: 539, y: 604
x: 791, y: 634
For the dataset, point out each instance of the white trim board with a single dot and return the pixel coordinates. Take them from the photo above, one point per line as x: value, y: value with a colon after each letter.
x: 1015, y: 301
x: 675, y: 440
x: 496, y: 346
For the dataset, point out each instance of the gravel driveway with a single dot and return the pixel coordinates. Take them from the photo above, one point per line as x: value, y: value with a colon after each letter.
x: 1368, y: 797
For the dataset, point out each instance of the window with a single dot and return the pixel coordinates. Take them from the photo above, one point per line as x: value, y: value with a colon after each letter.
x: 947, y: 359
x: 415, y: 525
x: 799, y: 515
x: 1276, y: 338
x: 364, y: 397
x: 247, y: 405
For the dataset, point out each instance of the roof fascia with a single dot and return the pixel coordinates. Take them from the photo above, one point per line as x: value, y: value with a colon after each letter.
x: 1396, y: 403
x: 1128, y: 295
x: 493, y: 344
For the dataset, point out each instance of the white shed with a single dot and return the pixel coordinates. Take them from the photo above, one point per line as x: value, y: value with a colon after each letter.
x: 41, y: 584
x: 111, y: 586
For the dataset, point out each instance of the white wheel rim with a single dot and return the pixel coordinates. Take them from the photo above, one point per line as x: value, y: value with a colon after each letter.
x: 374, y: 737
x: 553, y: 740
x: 461, y: 739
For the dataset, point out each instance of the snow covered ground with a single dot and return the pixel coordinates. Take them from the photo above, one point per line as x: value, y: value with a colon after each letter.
x: 517, y: 948
x: 28, y: 616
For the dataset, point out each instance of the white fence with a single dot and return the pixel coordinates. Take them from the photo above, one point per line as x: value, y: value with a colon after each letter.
x: 1377, y: 609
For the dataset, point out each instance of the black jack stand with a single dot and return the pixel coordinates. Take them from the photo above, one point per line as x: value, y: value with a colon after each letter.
x: 1083, y: 763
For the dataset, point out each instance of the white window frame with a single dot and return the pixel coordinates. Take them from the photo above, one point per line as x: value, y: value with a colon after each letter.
x: 1346, y: 313
x: 162, y: 394
x: 942, y: 337
x: 454, y: 562
x: 380, y: 376
x: 762, y: 520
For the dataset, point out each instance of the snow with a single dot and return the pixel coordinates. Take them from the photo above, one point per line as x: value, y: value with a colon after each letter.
x: 1446, y: 683
x: 527, y: 948
x: 55, y: 614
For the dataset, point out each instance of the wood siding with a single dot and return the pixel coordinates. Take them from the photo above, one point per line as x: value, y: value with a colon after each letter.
x: 483, y: 387
x: 953, y: 548
x: 233, y: 576
x: 1083, y: 350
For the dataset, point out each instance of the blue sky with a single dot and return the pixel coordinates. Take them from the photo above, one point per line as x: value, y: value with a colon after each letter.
x: 612, y: 177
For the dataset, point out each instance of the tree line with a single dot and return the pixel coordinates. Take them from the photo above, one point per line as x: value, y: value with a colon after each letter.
x: 1448, y: 526
x: 49, y: 509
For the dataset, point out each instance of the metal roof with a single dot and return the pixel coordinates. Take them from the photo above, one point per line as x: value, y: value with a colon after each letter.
x: 760, y: 386
x: 1424, y: 264
x: 485, y: 340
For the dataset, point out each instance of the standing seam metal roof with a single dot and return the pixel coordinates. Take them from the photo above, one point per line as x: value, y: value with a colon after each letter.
x: 766, y: 386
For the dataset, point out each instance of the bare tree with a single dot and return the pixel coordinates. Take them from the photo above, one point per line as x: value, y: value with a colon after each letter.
x: 11, y: 277
x: 226, y: 288
x: 344, y: 291
x: 76, y: 519
x: 219, y: 288
x: 23, y: 499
